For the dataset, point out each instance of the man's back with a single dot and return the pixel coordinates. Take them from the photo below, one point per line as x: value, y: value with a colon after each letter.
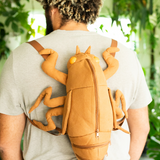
x: 26, y: 80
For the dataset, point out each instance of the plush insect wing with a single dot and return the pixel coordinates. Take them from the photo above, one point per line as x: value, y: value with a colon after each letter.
x: 88, y: 116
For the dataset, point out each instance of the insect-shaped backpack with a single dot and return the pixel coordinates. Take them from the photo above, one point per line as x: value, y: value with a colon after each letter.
x: 90, y: 113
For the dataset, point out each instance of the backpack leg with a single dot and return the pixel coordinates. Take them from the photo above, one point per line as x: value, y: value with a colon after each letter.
x: 112, y: 63
x: 51, y: 125
x: 48, y: 66
x: 46, y: 94
x: 119, y: 96
x: 117, y: 112
x: 54, y: 102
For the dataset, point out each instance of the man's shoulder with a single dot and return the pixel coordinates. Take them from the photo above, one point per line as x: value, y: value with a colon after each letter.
x: 126, y: 52
x: 26, y: 47
x: 62, y: 38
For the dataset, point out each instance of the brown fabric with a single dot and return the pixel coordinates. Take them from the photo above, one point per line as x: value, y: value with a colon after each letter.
x: 114, y: 44
x: 112, y: 63
x: 38, y: 47
x: 90, y: 113
x: 58, y: 129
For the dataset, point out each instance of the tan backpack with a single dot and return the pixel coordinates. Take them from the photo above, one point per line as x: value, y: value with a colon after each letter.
x: 90, y: 113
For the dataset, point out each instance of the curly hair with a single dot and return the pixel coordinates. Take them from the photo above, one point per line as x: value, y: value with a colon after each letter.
x: 84, y: 11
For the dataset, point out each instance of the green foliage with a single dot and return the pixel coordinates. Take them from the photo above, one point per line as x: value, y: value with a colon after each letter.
x: 101, y: 27
x: 41, y: 30
x: 136, y: 11
x: 31, y: 31
x: 4, y: 50
x: 16, y: 21
x: 155, y: 154
x: 153, y: 145
x: 140, y: 13
x: 22, y: 142
x: 154, y: 135
x: 144, y: 19
x: 144, y: 71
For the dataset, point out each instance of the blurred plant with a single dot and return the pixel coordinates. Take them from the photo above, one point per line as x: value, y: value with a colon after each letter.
x: 144, y: 18
x: 153, y: 145
x: 41, y: 30
x: 15, y: 21
x: 4, y: 50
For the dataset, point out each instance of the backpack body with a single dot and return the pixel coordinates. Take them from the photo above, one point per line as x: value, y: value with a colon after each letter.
x: 88, y: 116
x: 89, y: 112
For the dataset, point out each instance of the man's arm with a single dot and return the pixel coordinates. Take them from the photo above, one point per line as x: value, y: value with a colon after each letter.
x: 138, y: 122
x: 11, y: 131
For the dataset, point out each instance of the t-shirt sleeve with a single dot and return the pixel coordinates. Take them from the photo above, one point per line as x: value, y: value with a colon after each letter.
x: 10, y: 97
x: 142, y: 96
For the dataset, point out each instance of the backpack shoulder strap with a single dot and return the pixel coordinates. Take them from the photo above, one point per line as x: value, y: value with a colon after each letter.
x: 38, y: 47
x: 114, y: 44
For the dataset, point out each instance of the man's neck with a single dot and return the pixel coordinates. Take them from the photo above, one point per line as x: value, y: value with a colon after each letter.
x: 74, y: 26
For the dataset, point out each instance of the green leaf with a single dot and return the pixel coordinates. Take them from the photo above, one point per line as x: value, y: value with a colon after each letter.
x: 144, y: 17
x: 144, y: 71
x: 22, y: 17
x: 22, y: 31
x: 17, y: 2
x: 1, y: 25
x: 2, y: 44
x: 2, y: 33
x: 32, y: 21
x: 33, y: 32
x: 153, y: 149
x: 118, y: 23
x: 28, y: 35
x: 101, y: 27
x: 153, y: 144
x: 128, y: 36
x: 154, y: 124
x: 129, y: 25
x: 5, y: 13
x: 151, y: 7
x: 22, y: 142
x: 7, y: 52
x: 152, y: 130
x: 13, y: 11
x: 8, y: 21
x: 15, y: 27
x: 41, y: 30
x: 151, y: 105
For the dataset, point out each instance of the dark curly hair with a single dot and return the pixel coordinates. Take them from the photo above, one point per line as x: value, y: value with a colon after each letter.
x: 84, y: 11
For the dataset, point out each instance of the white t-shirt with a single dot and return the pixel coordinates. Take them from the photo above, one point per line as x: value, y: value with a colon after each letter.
x: 23, y: 80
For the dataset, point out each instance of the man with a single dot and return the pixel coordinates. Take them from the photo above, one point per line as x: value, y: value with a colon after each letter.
x: 23, y: 80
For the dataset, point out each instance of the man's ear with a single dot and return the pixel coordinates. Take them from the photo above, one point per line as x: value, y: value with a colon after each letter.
x: 55, y: 18
x: 53, y: 11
